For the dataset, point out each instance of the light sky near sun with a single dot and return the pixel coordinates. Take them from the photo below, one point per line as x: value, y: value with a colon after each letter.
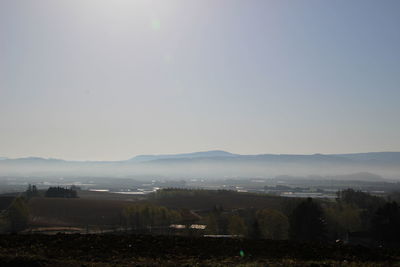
x: 107, y: 80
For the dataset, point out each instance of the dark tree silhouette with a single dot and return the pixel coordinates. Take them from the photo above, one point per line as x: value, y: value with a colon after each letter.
x: 18, y: 215
x: 360, y: 199
x: 254, y: 231
x: 142, y: 217
x: 273, y: 224
x: 31, y: 191
x: 386, y: 224
x: 307, y: 222
x: 366, y: 202
x: 61, y: 192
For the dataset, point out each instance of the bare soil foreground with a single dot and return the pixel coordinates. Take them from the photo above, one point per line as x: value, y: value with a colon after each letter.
x: 145, y: 250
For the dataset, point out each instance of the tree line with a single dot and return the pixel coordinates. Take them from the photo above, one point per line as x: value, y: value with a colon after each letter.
x: 352, y: 212
x: 298, y: 220
x: 16, y: 217
x: 317, y: 221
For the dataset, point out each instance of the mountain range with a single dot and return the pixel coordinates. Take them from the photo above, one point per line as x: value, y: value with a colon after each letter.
x: 211, y: 164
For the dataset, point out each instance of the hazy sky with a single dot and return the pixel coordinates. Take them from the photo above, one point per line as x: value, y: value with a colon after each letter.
x: 107, y: 80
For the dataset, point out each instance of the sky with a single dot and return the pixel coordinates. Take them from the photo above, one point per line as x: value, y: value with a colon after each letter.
x: 108, y: 80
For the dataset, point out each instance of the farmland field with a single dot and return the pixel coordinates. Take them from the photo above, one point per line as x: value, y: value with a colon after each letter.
x: 98, y: 208
x: 207, y: 199
x: 143, y: 250
x: 63, y: 212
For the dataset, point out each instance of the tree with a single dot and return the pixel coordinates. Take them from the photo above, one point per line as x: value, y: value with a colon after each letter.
x: 307, y: 222
x: 272, y: 224
x: 18, y: 215
x: 342, y: 218
x: 212, y: 225
x: 143, y: 217
x: 254, y: 230
x: 61, y: 192
x: 386, y: 224
x: 31, y: 191
x: 366, y: 202
x: 236, y: 226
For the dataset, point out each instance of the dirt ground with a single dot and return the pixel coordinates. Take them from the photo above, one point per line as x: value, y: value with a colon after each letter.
x: 143, y: 250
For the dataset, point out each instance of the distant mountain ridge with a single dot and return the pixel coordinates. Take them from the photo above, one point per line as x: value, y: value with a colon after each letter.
x: 382, y: 157
x: 203, y: 154
x: 372, y: 156
x: 212, y: 164
x: 220, y: 154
